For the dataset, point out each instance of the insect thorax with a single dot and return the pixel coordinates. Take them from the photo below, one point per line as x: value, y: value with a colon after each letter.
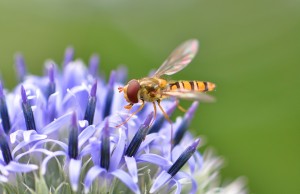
x: 151, y: 88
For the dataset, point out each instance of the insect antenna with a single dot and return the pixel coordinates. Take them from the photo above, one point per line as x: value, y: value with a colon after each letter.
x: 120, y: 89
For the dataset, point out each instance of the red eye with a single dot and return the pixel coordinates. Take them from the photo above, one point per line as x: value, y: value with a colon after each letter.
x: 132, y: 91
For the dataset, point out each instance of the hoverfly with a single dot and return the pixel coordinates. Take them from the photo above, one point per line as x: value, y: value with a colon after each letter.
x: 154, y: 89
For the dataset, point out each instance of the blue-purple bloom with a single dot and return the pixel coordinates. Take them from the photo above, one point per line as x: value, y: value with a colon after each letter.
x: 3, y: 111
x: 58, y: 134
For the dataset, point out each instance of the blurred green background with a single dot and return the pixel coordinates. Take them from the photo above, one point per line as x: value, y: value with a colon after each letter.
x: 251, y: 49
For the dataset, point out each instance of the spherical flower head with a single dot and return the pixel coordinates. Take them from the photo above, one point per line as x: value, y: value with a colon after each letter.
x: 58, y: 133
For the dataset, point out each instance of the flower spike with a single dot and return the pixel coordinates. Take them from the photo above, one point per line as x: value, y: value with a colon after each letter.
x: 73, y: 138
x: 185, y: 123
x: 27, y: 111
x: 3, y: 111
x: 110, y: 94
x: 164, y: 177
x: 51, y: 85
x: 76, y: 127
x: 122, y: 74
x: 93, y: 65
x: 20, y: 66
x: 139, y: 137
x: 105, y: 147
x: 69, y: 55
x: 91, y: 106
x: 4, y: 147
x: 183, y: 158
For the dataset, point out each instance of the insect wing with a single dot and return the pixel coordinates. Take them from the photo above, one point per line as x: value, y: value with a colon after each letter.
x: 189, y: 95
x: 179, y: 58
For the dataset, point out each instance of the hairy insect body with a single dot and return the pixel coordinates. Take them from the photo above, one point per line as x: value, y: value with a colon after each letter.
x: 152, y: 89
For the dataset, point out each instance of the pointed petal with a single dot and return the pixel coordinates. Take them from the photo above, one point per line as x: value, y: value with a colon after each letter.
x: 3, y: 179
x: 46, y: 160
x: 57, y: 124
x: 86, y: 150
x: 95, y: 150
x: 32, y: 135
x: 3, y: 170
x: 192, y: 164
x: 69, y: 55
x: 178, y: 187
x: 18, y: 167
x: 132, y: 168
x: 162, y: 179
x: 83, y: 124
x: 93, y: 65
x: 52, y: 107
x: 86, y: 134
x: 14, y: 136
x: 127, y: 180
x: 29, y: 139
x: 74, y: 74
x: 117, y: 103
x: 149, y: 138
x: 40, y: 150
x: 176, y: 152
x: 122, y: 73
x: 118, y: 152
x: 44, y: 141
x: 74, y: 173
x: 199, y: 160
x: 183, y: 175
x: 22, y: 144
x: 76, y: 99
x: 90, y: 176
x: 154, y: 159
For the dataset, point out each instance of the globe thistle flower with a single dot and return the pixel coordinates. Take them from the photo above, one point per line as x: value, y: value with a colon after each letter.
x: 58, y: 134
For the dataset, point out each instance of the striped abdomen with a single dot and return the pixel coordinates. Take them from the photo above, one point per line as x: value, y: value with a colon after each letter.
x: 198, y: 86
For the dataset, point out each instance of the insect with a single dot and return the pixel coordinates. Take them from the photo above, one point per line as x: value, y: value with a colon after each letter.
x: 154, y: 89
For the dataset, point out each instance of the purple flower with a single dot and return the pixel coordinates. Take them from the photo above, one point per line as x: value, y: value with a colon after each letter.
x: 20, y: 66
x: 3, y: 111
x: 9, y: 165
x: 106, y: 163
x: 165, y: 176
x: 72, y: 151
x: 58, y: 133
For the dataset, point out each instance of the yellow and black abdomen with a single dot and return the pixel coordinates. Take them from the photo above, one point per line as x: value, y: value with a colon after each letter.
x: 198, y: 86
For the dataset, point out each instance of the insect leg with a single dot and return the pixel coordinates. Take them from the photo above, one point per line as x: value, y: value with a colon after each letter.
x: 134, y: 113
x: 154, y: 116
x: 180, y: 107
x: 169, y: 120
x: 128, y: 106
x: 164, y: 113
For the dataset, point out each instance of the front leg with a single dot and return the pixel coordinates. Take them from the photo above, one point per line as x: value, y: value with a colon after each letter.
x: 134, y: 113
x: 128, y: 106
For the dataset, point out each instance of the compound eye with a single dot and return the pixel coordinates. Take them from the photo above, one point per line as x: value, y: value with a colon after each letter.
x: 132, y: 91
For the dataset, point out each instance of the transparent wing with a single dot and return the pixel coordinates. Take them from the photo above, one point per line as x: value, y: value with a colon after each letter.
x: 178, y: 59
x: 190, y: 95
